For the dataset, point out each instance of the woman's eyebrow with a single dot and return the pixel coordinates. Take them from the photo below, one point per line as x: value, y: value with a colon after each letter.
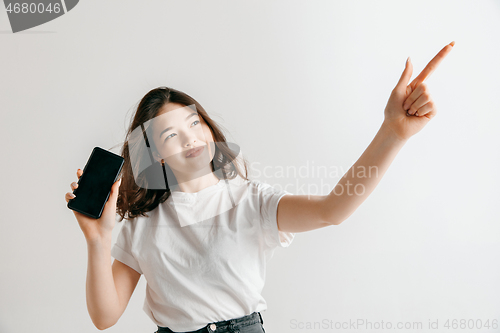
x: 169, y: 128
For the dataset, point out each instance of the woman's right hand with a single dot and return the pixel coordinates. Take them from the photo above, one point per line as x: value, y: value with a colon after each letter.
x: 97, y: 228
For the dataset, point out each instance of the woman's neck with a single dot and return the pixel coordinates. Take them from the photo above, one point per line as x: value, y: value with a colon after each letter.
x: 197, y: 184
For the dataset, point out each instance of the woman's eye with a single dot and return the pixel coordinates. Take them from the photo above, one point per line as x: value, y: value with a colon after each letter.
x: 176, y: 134
x: 169, y: 136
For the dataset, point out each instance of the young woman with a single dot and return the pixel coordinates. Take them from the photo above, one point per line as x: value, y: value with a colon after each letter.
x: 199, y: 230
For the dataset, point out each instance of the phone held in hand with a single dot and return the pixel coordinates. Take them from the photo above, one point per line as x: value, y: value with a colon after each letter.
x: 94, y: 186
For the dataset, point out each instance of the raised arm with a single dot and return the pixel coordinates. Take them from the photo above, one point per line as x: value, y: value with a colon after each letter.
x: 408, y: 110
x: 300, y: 213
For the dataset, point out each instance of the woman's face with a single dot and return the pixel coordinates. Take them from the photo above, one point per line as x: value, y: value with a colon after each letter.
x: 176, y: 130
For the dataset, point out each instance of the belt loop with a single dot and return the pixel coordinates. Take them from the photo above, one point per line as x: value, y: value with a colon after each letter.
x: 261, y: 318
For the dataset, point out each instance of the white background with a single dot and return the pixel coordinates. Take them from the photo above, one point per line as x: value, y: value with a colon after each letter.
x: 295, y: 83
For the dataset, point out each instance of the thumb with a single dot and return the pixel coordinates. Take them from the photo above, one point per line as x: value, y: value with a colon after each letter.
x: 115, y: 189
x: 405, y: 77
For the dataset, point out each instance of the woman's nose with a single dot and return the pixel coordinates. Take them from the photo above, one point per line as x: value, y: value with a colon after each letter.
x: 189, y: 138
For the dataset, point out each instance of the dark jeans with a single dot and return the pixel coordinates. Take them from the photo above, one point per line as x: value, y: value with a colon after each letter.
x: 248, y: 324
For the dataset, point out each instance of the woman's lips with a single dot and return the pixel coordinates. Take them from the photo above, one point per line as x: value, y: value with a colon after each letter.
x: 195, y: 152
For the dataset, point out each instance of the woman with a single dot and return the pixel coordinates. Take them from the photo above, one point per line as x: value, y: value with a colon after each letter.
x: 199, y: 230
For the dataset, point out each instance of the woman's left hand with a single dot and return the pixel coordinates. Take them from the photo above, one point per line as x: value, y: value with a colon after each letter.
x: 410, y: 107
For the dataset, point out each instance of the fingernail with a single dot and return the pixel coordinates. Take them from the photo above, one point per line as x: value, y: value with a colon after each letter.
x: 120, y: 182
x: 71, y: 195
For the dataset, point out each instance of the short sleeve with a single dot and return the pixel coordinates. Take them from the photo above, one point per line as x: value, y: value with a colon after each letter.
x: 122, y: 250
x: 269, y: 198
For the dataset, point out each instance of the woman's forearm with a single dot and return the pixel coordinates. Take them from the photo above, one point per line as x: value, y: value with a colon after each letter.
x: 362, y: 178
x: 102, y: 299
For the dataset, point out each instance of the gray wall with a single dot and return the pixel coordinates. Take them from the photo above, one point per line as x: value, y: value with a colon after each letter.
x: 297, y: 84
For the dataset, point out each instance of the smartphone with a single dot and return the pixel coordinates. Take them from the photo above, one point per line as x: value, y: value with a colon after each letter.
x: 94, y: 186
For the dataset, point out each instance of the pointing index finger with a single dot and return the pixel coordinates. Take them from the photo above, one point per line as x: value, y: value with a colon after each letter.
x: 432, y: 65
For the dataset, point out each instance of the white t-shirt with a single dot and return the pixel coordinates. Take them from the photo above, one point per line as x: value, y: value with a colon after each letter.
x: 204, y: 254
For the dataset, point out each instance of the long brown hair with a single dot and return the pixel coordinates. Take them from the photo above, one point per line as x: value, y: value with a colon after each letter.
x: 134, y: 200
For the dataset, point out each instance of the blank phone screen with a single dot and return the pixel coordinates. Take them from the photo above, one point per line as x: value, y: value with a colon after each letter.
x: 94, y: 186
